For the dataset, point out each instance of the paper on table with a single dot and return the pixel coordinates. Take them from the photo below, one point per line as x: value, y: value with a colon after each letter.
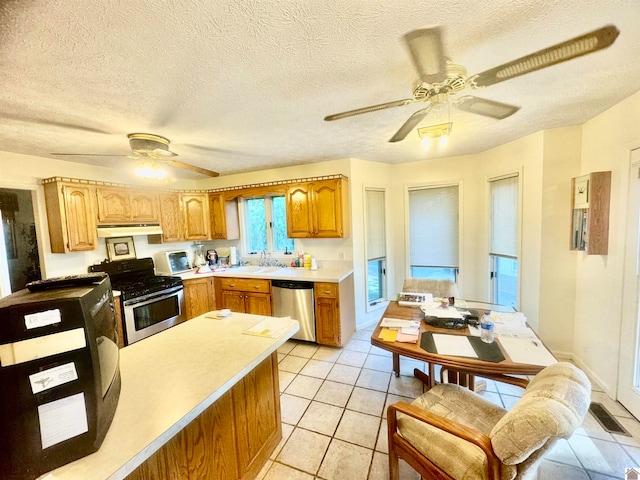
x: 439, y: 312
x: 406, y: 338
x: 399, y: 323
x: 272, y: 327
x: 457, y: 345
x: 503, y: 331
x: 388, y: 335
x: 528, y: 351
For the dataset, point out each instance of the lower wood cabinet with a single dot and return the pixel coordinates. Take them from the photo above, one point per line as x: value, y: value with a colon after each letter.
x: 230, y: 440
x: 199, y: 296
x: 117, y: 304
x: 335, y: 312
x: 244, y: 295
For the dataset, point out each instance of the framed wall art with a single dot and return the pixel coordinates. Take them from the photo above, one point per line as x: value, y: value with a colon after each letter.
x: 120, y: 248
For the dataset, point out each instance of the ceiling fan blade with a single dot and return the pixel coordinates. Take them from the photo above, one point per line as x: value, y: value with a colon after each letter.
x: 410, y: 124
x: 482, y: 106
x: 576, y: 47
x: 193, y: 168
x: 90, y: 154
x: 372, y: 108
x: 427, y: 52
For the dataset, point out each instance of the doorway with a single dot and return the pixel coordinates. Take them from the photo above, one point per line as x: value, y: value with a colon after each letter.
x: 19, y: 249
x: 629, y: 368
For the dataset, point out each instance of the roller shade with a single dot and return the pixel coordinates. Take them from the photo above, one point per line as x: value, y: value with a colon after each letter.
x: 504, y: 217
x: 376, y: 239
x: 433, y: 226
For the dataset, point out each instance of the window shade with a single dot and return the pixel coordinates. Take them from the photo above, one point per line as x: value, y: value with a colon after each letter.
x: 433, y: 226
x: 375, y: 226
x: 504, y: 217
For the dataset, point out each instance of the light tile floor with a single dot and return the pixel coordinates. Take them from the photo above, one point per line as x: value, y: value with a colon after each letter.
x: 334, y: 419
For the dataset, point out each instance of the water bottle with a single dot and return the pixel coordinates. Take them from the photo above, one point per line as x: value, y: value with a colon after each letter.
x: 486, y: 328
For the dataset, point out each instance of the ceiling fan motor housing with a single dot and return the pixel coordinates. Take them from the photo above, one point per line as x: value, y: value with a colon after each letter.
x: 147, y: 143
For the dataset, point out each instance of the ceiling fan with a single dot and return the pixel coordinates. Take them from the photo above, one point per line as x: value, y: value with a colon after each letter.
x: 151, y: 147
x: 440, y: 80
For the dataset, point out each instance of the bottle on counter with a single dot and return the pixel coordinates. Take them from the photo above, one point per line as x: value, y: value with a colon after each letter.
x: 486, y: 328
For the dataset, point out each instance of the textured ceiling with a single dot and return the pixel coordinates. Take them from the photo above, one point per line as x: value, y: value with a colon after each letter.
x: 244, y: 85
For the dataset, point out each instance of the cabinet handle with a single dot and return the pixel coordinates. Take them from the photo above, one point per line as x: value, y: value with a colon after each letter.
x: 232, y: 285
x: 256, y: 286
x: 328, y: 292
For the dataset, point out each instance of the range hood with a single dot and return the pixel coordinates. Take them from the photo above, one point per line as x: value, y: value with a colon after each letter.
x: 128, y: 229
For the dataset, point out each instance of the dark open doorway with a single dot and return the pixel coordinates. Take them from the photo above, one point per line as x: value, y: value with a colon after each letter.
x: 20, y: 241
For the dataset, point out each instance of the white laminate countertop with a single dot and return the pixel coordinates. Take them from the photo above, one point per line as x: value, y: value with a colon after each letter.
x: 332, y: 275
x: 168, y: 380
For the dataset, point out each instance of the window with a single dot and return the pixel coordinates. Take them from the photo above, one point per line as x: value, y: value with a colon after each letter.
x: 433, y: 232
x: 266, y: 225
x: 503, y: 244
x: 375, y: 245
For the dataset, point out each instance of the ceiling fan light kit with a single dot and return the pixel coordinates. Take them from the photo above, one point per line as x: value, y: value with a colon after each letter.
x: 151, y: 170
x: 440, y: 80
x: 434, y: 132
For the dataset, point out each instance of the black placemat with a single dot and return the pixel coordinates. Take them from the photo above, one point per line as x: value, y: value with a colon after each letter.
x: 488, y: 352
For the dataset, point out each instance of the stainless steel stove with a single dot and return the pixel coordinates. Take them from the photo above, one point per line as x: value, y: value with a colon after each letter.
x: 151, y: 303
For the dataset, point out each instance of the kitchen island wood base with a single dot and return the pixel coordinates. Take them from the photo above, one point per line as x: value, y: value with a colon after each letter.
x: 232, y: 439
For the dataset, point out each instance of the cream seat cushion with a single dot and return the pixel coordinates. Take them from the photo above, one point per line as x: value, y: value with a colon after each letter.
x: 553, y: 405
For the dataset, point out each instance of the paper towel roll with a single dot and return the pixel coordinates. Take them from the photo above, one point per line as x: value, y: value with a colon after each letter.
x: 233, y: 256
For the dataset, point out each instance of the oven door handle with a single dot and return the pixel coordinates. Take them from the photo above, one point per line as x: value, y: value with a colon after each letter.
x: 152, y: 296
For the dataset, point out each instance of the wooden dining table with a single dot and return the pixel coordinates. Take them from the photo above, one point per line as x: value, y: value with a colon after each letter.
x: 461, y: 370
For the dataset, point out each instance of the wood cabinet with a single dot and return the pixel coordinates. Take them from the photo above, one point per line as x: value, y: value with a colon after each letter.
x: 230, y: 440
x: 117, y: 305
x: 224, y: 217
x: 318, y: 209
x: 126, y: 205
x: 170, y: 218
x: 199, y: 296
x: 195, y: 210
x: 70, y: 216
x: 335, y: 312
x: 244, y: 295
x: 590, y: 200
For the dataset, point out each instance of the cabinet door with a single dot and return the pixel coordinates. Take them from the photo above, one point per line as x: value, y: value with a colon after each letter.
x: 327, y: 314
x: 258, y: 303
x: 113, y: 205
x: 198, y: 296
x: 233, y: 300
x: 224, y: 217
x: 327, y: 209
x: 80, y: 221
x: 144, y: 206
x: 299, y: 211
x: 171, y: 217
x: 196, y: 216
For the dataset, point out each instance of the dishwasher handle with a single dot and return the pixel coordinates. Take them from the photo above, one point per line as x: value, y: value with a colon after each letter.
x: 292, y: 284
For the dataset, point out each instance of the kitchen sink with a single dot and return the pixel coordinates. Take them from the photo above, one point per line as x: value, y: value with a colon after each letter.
x: 268, y: 269
x: 254, y: 269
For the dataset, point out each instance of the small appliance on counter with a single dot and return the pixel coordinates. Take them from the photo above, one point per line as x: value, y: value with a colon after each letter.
x: 60, y: 373
x: 212, y: 258
x: 172, y: 262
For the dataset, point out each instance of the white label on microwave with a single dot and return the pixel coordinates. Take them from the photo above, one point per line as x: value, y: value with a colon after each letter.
x: 62, y: 419
x: 53, y: 377
x: 40, y: 347
x: 42, y: 319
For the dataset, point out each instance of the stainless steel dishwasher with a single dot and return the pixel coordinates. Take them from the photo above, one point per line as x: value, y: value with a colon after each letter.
x: 295, y: 299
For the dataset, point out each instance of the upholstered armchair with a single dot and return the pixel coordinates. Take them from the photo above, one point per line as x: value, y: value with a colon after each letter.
x: 451, y: 432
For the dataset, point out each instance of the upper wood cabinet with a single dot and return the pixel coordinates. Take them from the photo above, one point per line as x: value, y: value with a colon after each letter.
x: 224, y: 217
x: 318, y: 209
x: 70, y: 216
x: 195, y: 208
x: 125, y: 205
x: 170, y: 218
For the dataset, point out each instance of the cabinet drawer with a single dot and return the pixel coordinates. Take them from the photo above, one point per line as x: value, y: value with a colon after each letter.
x: 246, y: 285
x: 326, y: 290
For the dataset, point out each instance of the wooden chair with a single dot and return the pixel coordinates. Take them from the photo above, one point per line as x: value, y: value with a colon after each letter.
x: 452, y: 433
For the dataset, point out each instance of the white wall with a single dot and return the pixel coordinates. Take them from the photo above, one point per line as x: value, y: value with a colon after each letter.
x: 606, y: 144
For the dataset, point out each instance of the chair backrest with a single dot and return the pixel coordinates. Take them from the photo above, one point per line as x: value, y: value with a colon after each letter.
x: 437, y: 287
x: 553, y: 405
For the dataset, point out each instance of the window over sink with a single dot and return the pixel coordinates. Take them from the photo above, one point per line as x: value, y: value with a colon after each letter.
x: 265, y: 225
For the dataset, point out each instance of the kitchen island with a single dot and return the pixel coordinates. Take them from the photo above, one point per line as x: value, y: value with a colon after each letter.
x: 199, y: 400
